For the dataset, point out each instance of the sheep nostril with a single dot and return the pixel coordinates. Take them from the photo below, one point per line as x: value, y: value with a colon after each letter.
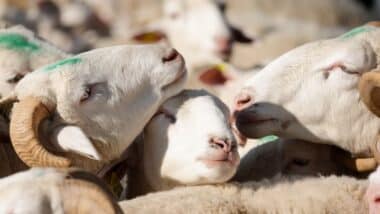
x: 242, y: 101
x: 172, y: 55
x: 220, y: 144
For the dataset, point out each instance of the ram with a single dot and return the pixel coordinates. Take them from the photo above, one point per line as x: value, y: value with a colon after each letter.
x: 48, y: 190
x: 311, y: 93
x: 85, y: 110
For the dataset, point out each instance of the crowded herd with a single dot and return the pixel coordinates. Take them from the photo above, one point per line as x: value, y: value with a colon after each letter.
x: 189, y: 106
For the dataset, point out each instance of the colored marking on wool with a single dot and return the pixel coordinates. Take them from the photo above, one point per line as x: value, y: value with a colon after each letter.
x: 268, y: 139
x: 68, y: 61
x: 17, y: 42
x: 356, y: 31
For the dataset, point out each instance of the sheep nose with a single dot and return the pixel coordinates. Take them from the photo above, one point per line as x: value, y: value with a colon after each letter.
x: 242, y: 101
x: 170, y: 56
x: 222, y: 144
x: 223, y: 44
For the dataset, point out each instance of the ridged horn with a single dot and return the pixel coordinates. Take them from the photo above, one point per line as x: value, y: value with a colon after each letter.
x: 24, y: 125
x: 83, y: 192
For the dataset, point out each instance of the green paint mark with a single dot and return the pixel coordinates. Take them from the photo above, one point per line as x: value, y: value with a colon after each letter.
x: 268, y: 139
x: 68, y: 61
x: 356, y: 31
x: 17, y: 42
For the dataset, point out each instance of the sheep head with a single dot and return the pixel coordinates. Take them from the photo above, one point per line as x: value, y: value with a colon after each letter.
x: 189, y: 142
x: 93, y: 104
x: 311, y: 93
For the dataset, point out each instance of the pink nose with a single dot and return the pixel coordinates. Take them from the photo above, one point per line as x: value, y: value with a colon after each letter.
x: 170, y: 56
x: 223, y: 44
x: 242, y: 101
x: 222, y: 144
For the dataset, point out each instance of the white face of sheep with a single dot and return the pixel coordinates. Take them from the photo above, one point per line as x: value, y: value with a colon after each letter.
x: 197, y: 28
x: 311, y: 93
x: 105, y: 95
x: 190, y: 142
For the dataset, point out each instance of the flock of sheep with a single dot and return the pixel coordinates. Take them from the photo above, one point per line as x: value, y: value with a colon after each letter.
x: 189, y: 106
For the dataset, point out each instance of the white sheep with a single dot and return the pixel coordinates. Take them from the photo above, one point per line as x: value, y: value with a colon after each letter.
x: 188, y: 142
x: 22, y: 52
x: 311, y: 93
x: 308, y: 195
x: 97, y: 102
x: 48, y: 190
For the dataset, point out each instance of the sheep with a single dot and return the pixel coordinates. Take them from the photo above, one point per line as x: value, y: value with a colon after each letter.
x: 22, y: 52
x: 85, y: 110
x: 291, y: 157
x: 49, y: 190
x: 168, y: 156
x: 308, y: 195
x: 311, y: 93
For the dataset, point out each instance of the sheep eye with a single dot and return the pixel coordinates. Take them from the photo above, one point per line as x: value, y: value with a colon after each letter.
x: 300, y: 162
x: 86, y: 94
x: 15, y: 79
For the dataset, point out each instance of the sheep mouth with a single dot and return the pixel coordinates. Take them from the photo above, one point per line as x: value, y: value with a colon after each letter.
x: 246, y: 118
x: 222, y: 159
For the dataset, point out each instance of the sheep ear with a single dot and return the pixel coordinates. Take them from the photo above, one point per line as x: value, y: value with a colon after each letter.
x: 73, y: 139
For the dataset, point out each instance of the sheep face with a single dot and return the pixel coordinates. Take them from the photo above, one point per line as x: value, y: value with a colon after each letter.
x: 203, y: 26
x: 190, y: 142
x: 311, y: 93
x: 105, y: 95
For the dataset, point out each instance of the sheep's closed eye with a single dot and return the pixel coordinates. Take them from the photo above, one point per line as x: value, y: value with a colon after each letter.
x: 337, y: 66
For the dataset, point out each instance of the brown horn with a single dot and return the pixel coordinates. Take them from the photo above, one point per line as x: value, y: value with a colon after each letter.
x: 369, y: 87
x: 24, y: 125
x: 83, y: 192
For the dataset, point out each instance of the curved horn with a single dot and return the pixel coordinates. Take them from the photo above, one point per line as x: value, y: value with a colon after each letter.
x: 24, y: 125
x: 369, y: 87
x: 83, y: 192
